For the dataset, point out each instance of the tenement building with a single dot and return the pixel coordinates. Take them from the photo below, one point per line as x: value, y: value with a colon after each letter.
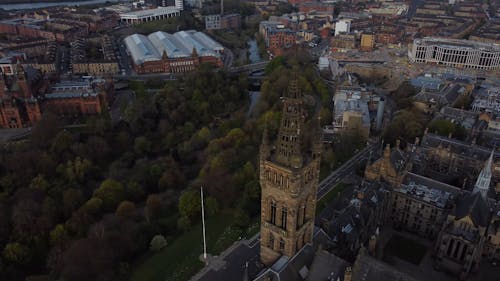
x: 180, y: 52
x: 455, y: 53
x: 289, y: 179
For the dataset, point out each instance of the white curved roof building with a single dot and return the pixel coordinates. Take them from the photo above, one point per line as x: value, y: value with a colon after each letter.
x: 177, y: 45
x: 165, y: 42
x: 141, y: 49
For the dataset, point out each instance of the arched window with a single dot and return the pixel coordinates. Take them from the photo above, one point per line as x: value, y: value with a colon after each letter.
x: 300, y: 216
x: 303, y: 214
x: 273, y: 212
x: 283, y: 217
x: 270, y: 243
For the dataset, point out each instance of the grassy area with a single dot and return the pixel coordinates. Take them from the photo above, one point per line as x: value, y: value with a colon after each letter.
x: 405, y: 249
x: 180, y: 259
x: 329, y: 197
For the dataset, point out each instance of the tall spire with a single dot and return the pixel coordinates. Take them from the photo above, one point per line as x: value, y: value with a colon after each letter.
x: 264, y: 146
x: 483, y: 181
x: 317, y: 142
x: 291, y: 127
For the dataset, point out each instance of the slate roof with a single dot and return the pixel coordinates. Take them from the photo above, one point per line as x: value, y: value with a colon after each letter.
x: 297, y: 267
x: 399, y: 158
x: 473, y: 205
x: 458, y: 147
x: 327, y: 266
x: 446, y: 97
x: 352, y: 223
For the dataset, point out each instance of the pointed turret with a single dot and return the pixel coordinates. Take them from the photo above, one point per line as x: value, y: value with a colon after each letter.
x: 194, y: 53
x: 317, y: 142
x: 483, y: 181
x: 164, y: 56
x: 292, y: 125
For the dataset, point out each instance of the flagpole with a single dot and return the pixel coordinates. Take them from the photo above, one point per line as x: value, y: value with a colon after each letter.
x: 203, y: 223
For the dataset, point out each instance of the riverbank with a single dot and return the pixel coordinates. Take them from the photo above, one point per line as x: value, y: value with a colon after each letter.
x: 37, y: 4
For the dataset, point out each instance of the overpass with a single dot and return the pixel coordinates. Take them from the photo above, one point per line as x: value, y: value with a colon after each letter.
x: 250, y: 67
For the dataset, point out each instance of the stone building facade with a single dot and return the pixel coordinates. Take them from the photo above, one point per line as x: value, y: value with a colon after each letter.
x: 19, y: 106
x: 289, y: 180
x: 391, y: 167
x: 25, y: 95
x: 463, y: 222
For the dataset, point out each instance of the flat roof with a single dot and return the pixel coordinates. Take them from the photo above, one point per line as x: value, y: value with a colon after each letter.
x: 150, y: 12
x: 458, y: 43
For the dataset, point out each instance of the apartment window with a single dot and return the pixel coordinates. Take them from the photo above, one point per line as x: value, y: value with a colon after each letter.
x: 270, y: 243
x: 282, y: 245
x: 273, y: 212
x: 283, y: 217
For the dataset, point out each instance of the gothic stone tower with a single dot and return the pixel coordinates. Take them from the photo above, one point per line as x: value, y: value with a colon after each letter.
x: 289, y: 179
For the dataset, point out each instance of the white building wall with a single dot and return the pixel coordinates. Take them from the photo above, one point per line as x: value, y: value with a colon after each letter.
x: 179, y: 4
x: 455, y: 55
x: 343, y: 25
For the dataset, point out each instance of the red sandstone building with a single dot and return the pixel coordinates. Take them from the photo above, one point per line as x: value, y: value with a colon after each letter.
x: 25, y: 94
x: 180, y: 52
x: 277, y: 37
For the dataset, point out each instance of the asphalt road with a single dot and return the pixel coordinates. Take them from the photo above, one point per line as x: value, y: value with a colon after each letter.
x: 346, y: 169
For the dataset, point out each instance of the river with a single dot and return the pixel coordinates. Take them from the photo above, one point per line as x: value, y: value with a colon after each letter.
x: 253, y: 51
x: 25, y: 6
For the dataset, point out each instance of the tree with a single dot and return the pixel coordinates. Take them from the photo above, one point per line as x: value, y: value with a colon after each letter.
x: 463, y: 102
x: 93, y: 206
x: 111, y: 192
x: 211, y: 206
x: 88, y: 259
x: 125, y: 209
x: 59, y: 235
x: 25, y: 218
x: 157, y: 243
x: 190, y: 204
x: 75, y: 170
x: 134, y: 191
x: 142, y: 145
x: 16, y: 253
x: 39, y: 182
x: 72, y: 199
x: 153, y: 206
x: 45, y: 130
x: 62, y: 142
x: 184, y: 223
x: 445, y: 127
x: 240, y: 218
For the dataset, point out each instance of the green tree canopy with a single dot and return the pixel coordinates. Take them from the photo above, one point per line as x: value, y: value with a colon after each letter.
x: 190, y: 204
x: 111, y: 192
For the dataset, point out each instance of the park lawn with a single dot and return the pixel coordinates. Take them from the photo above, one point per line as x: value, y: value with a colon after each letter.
x: 405, y: 249
x: 329, y: 197
x: 180, y: 259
